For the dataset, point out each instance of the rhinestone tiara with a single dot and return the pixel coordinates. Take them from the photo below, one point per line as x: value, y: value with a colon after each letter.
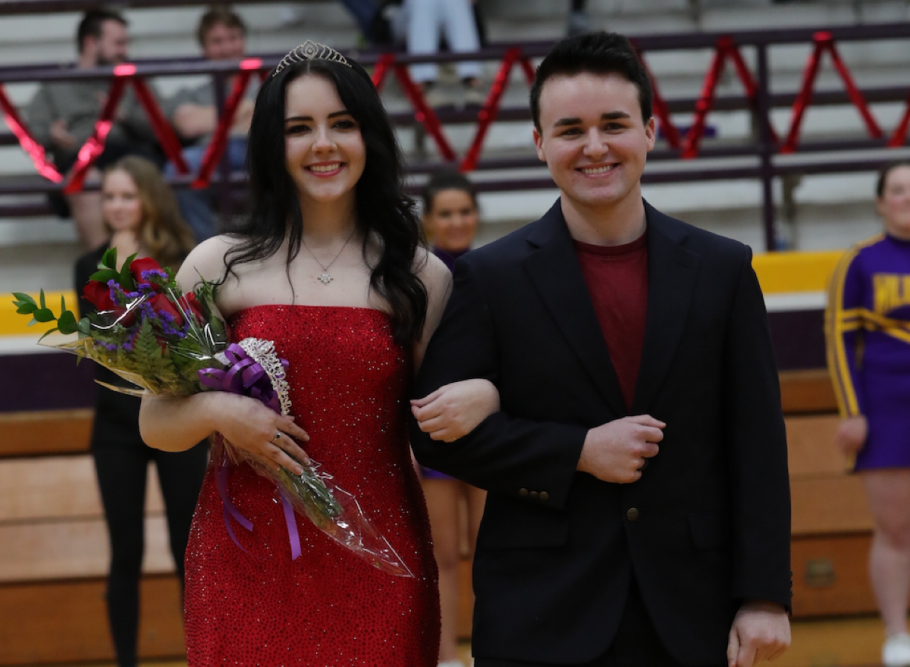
x: 263, y: 353
x: 310, y: 50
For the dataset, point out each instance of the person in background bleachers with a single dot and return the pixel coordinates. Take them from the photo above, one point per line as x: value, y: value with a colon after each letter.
x: 222, y: 35
x: 63, y: 114
x: 579, y: 21
x: 369, y: 15
x: 140, y: 216
x: 450, y: 217
x: 426, y: 19
x: 868, y: 332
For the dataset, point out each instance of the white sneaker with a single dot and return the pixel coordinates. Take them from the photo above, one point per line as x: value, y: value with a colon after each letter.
x: 896, y: 650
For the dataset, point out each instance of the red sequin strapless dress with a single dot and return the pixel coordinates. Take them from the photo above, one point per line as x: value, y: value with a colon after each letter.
x: 328, y: 608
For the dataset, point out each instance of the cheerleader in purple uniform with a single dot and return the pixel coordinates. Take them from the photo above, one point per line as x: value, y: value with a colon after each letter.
x: 868, y: 328
x: 450, y: 218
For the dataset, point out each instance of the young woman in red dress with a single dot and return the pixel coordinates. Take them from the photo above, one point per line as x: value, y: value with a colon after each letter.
x: 330, y: 267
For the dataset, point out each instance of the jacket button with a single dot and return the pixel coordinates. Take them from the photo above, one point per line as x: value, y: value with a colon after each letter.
x: 544, y: 496
x: 534, y: 495
x: 523, y: 493
x: 632, y: 514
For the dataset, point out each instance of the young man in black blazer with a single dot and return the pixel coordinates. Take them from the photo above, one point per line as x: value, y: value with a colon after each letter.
x: 638, y: 509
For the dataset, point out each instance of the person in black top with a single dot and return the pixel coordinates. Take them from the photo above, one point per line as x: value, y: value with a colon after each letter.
x: 140, y: 212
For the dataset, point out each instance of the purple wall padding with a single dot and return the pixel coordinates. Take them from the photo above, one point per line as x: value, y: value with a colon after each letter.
x: 45, y: 381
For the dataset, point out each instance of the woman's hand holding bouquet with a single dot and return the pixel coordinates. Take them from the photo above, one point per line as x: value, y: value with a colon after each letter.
x: 251, y: 427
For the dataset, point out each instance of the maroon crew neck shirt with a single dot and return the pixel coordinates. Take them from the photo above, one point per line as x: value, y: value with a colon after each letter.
x: 617, y: 280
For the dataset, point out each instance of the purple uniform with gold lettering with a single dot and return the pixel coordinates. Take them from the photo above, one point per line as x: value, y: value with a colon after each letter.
x: 868, y: 330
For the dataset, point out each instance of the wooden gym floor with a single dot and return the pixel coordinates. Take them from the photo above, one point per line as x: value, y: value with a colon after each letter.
x: 846, y: 642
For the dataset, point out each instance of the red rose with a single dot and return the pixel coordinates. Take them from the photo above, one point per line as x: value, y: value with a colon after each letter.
x: 195, y: 307
x: 161, y: 304
x: 143, y: 264
x: 99, y: 295
x: 126, y: 318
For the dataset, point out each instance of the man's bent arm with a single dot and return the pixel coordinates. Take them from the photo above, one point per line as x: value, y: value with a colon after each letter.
x: 511, y: 456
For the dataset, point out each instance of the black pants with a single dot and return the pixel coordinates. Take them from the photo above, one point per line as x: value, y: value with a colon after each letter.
x: 636, y: 643
x: 122, y: 472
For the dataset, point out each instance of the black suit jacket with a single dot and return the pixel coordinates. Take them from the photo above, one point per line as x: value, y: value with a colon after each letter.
x: 708, y: 524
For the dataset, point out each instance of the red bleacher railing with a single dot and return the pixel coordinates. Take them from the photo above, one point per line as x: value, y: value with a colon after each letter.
x: 215, y: 149
x: 680, y: 143
x: 423, y: 112
x: 824, y: 42
x: 426, y: 116
x: 124, y: 75
x: 29, y: 144
x: 726, y: 49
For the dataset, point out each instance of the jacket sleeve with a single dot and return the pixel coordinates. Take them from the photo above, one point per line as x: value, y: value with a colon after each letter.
x: 755, y: 433
x: 506, y: 455
x: 844, y: 332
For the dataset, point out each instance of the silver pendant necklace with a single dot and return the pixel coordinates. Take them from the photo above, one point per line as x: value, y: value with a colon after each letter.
x: 326, y: 278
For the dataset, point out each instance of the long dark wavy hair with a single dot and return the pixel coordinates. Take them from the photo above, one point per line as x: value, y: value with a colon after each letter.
x: 383, y: 210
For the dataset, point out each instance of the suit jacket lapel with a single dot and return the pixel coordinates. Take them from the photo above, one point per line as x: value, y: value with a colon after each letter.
x: 672, y: 271
x: 556, y: 274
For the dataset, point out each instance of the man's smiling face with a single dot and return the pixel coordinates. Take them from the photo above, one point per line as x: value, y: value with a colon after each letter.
x: 593, y: 138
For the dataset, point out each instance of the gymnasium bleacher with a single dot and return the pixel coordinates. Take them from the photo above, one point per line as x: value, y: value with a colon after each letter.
x: 53, y: 551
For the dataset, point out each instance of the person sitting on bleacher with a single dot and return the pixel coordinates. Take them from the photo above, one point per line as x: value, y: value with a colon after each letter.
x: 222, y: 35
x: 426, y: 21
x: 62, y: 116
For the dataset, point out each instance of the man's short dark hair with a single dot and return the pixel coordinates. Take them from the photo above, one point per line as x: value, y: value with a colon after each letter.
x: 594, y: 53
x: 92, y: 24
x: 215, y: 16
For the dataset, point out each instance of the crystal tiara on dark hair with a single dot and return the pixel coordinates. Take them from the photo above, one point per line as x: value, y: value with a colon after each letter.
x: 310, y: 50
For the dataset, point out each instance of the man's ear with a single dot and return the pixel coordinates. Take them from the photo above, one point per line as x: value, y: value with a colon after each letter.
x: 89, y: 46
x: 538, y: 144
x: 651, y: 132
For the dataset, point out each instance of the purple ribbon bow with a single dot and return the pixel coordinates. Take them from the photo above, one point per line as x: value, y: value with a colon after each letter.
x: 245, y: 376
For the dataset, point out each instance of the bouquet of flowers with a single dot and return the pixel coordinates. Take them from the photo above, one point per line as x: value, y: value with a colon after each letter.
x: 164, y: 342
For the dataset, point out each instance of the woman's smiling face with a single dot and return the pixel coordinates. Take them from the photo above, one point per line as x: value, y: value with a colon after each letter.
x: 324, y: 151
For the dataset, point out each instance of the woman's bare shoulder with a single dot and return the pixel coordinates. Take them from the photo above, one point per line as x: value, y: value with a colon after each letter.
x: 206, y: 261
